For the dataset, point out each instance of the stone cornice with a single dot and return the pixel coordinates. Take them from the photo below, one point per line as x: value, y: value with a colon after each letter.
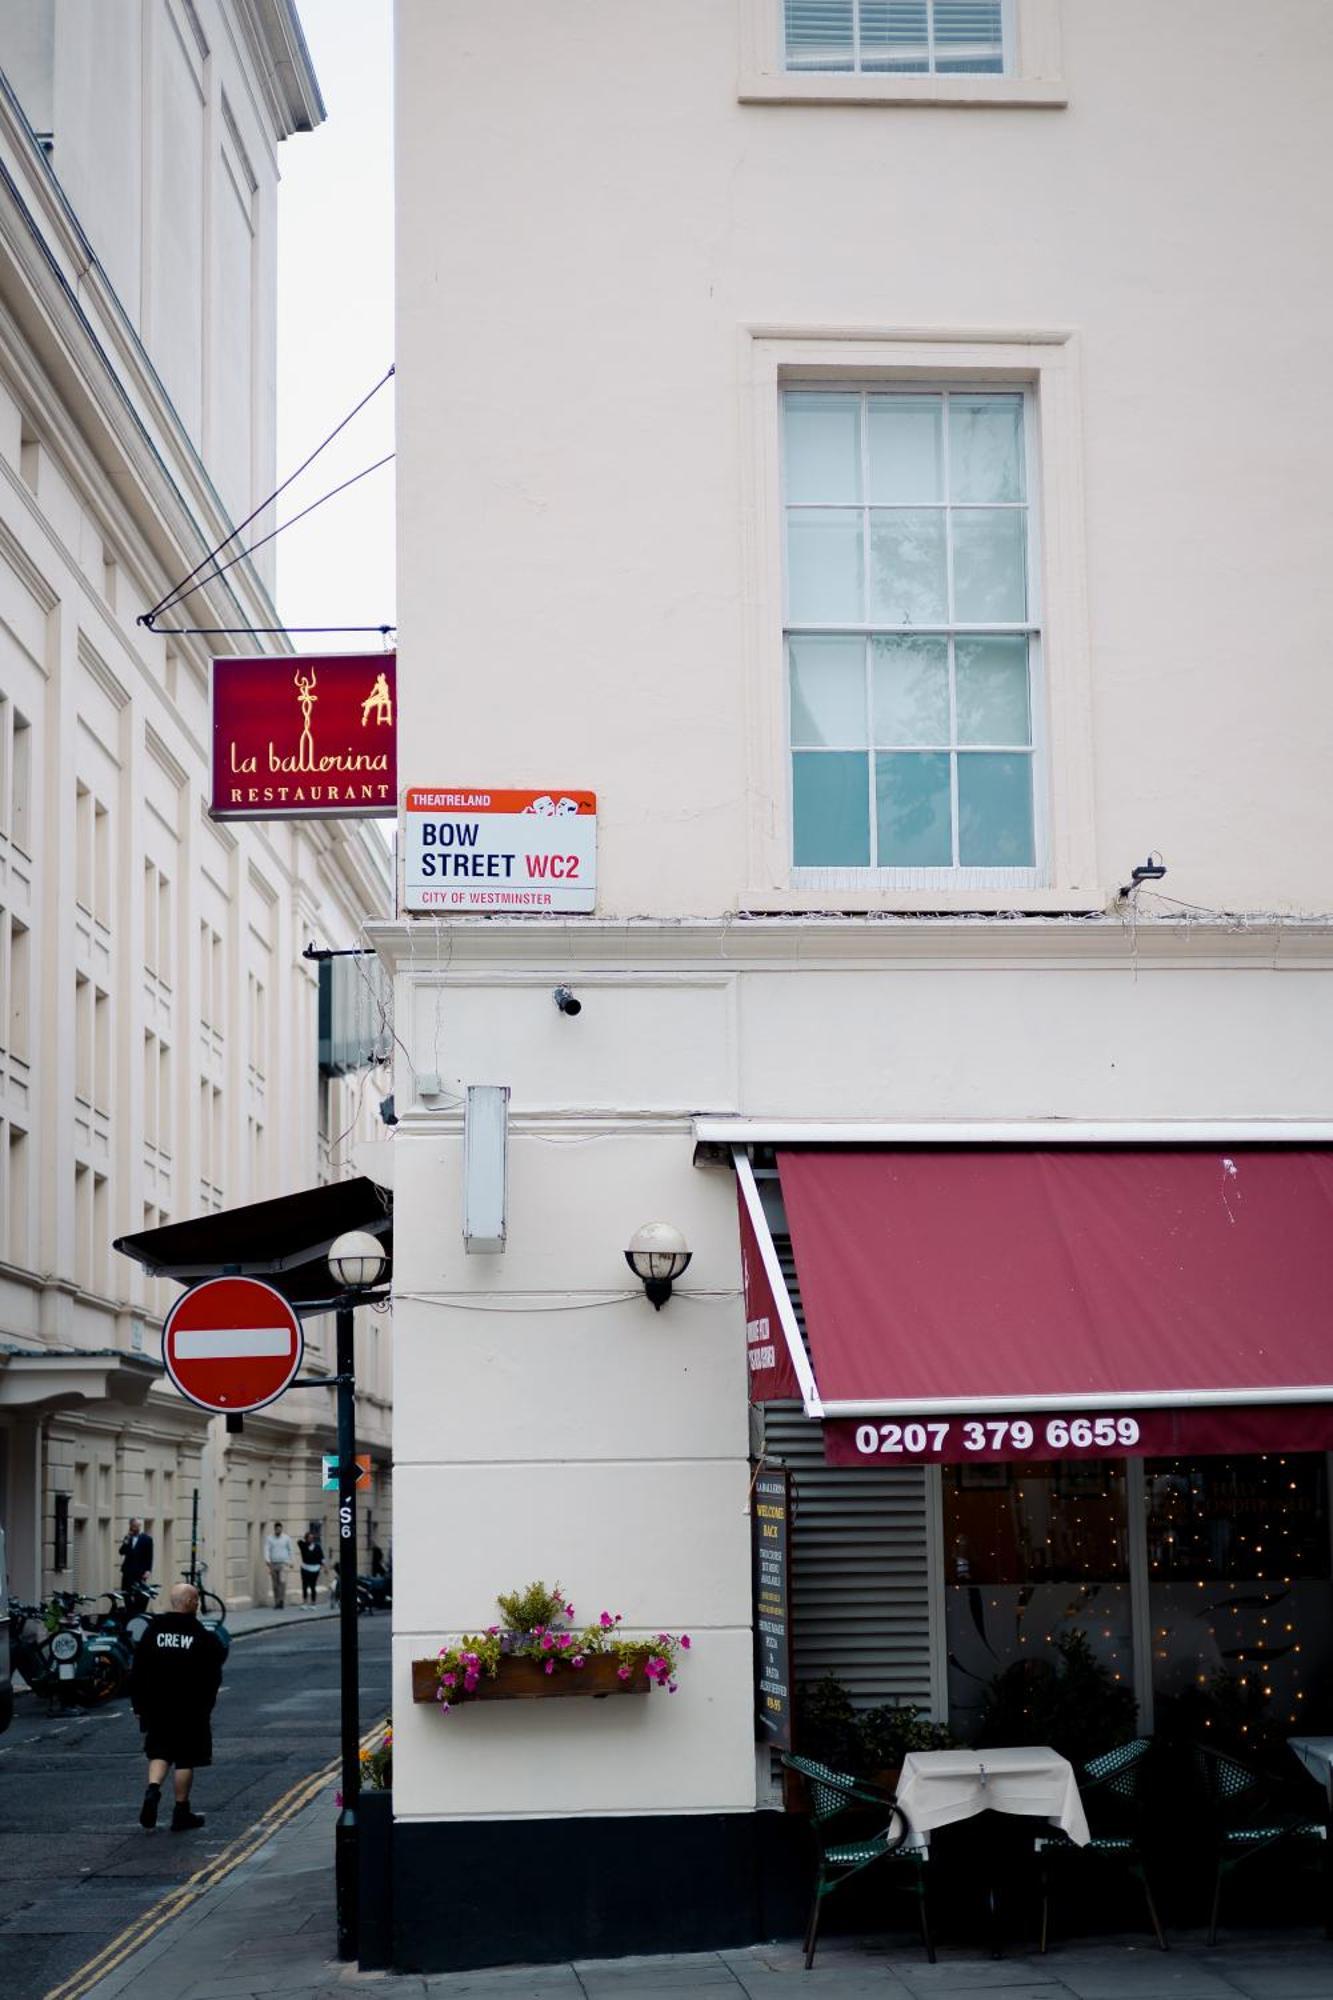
x: 614, y: 950
x: 277, y: 45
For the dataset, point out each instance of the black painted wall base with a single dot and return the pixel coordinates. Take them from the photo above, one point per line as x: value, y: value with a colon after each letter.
x: 503, y: 1892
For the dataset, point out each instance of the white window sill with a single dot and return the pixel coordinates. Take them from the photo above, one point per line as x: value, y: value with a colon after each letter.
x: 961, y: 93
x: 911, y: 902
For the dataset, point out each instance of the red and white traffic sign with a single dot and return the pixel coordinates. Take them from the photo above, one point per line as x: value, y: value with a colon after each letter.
x: 232, y: 1344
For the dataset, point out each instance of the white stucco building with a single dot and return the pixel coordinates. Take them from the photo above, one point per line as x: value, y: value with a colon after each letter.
x: 887, y: 472
x: 159, y: 1036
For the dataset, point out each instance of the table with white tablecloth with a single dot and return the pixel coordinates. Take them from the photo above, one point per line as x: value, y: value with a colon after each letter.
x: 940, y: 1787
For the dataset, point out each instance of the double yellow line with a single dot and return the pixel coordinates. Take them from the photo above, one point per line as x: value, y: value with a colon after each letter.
x: 137, y: 1934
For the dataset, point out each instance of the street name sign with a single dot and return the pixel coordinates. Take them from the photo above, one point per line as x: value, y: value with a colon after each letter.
x: 331, y: 1481
x: 499, y: 850
x: 232, y: 1344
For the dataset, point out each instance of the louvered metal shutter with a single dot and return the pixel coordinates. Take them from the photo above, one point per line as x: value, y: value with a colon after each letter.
x: 859, y: 1565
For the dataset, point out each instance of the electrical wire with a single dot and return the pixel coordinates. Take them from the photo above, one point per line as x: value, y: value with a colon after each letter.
x: 182, y: 589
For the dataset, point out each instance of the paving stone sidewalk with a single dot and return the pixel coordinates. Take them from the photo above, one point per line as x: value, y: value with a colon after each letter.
x: 268, y: 1929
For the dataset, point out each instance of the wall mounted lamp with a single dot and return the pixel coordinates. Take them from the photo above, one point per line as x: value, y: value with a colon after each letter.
x: 657, y: 1255
x: 357, y: 1260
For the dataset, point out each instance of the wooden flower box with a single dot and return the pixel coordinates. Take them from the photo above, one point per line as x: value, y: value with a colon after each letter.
x: 524, y: 1679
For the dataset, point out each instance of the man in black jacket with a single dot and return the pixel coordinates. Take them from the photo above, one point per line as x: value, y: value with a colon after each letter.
x: 177, y: 1673
x: 136, y: 1555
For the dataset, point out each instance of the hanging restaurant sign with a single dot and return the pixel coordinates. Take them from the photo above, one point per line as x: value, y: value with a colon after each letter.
x: 499, y: 850
x: 305, y: 736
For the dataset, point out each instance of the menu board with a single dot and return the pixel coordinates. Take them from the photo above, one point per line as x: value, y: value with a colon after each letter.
x: 770, y: 1521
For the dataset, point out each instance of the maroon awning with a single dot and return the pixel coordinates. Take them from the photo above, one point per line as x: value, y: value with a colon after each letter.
x: 1135, y: 1298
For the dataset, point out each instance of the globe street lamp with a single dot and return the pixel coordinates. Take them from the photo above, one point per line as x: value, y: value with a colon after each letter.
x: 356, y: 1261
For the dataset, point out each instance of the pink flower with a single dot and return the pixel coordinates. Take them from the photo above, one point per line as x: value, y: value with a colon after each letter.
x: 570, y: 1609
x: 547, y: 1642
x: 622, y: 1673
x: 448, y: 1680
x: 549, y: 1668
x: 671, y: 1687
x: 607, y: 1620
x: 685, y: 1641
x: 491, y: 1631
x: 338, y: 1800
x: 577, y: 1660
x: 537, y: 1631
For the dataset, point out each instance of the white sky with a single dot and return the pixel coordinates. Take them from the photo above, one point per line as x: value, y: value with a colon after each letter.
x: 335, y: 329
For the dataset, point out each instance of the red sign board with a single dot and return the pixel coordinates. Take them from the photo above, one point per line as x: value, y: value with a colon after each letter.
x: 305, y: 736
x: 1187, y: 1432
x: 232, y: 1344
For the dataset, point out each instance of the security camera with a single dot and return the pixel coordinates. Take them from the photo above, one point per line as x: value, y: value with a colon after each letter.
x: 566, y: 1002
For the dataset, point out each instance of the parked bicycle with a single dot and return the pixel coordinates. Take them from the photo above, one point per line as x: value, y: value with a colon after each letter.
x: 212, y: 1608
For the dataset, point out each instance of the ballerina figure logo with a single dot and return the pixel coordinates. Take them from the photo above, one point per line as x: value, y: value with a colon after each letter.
x: 305, y: 685
x: 380, y: 701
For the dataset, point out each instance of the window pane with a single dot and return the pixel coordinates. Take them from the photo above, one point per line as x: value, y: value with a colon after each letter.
x: 819, y: 34
x: 968, y: 38
x: 1238, y: 1565
x: 992, y: 691
x: 994, y: 810
x: 893, y: 35
x: 824, y: 567
x: 823, y: 448
x: 907, y: 577
x: 986, y: 448
x: 906, y: 462
x: 911, y: 687
x: 828, y: 692
x: 912, y: 799
x: 831, y: 809
x: 989, y: 565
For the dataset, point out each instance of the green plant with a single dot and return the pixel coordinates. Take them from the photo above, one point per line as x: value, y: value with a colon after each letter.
x: 1073, y: 1703
x: 377, y: 1764
x: 888, y: 1733
x: 536, y: 1628
x: 860, y: 1741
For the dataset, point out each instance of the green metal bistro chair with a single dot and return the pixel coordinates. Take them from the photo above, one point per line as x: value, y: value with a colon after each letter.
x: 833, y: 1794
x: 1245, y: 1825
x: 1109, y: 1787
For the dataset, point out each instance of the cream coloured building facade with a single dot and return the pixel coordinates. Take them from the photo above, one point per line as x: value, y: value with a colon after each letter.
x: 887, y: 474
x: 160, y: 1034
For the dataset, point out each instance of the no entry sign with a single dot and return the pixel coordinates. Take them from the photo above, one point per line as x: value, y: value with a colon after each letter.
x: 232, y: 1344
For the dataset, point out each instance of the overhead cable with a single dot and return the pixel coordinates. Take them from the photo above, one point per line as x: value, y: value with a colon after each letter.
x: 193, y: 579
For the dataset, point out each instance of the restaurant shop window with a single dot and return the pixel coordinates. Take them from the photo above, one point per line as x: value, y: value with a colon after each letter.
x: 1238, y: 1557
x: 1230, y: 1556
x: 1034, y: 1556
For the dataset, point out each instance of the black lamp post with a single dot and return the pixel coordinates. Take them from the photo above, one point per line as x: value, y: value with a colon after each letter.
x: 357, y: 1263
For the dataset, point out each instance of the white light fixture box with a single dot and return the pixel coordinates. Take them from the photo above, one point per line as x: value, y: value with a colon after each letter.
x: 485, y: 1167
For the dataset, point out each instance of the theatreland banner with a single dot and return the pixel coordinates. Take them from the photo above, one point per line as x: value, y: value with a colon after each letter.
x: 305, y: 736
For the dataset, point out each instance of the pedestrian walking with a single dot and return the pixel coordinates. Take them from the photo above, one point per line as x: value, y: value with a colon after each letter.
x: 173, y: 1686
x: 278, y: 1554
x: 136, y: 1555
x: 310, y: 1551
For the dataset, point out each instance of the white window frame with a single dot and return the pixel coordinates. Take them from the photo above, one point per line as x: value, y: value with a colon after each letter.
x: 1007, y: 33
x: 957, y: 875
x: 1032, y: 76
x: 1045, y: 365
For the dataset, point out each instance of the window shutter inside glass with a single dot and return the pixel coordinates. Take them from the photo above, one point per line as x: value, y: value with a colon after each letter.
x: 820, y: 34
x: 894, y: 36
x: 969, y: 37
